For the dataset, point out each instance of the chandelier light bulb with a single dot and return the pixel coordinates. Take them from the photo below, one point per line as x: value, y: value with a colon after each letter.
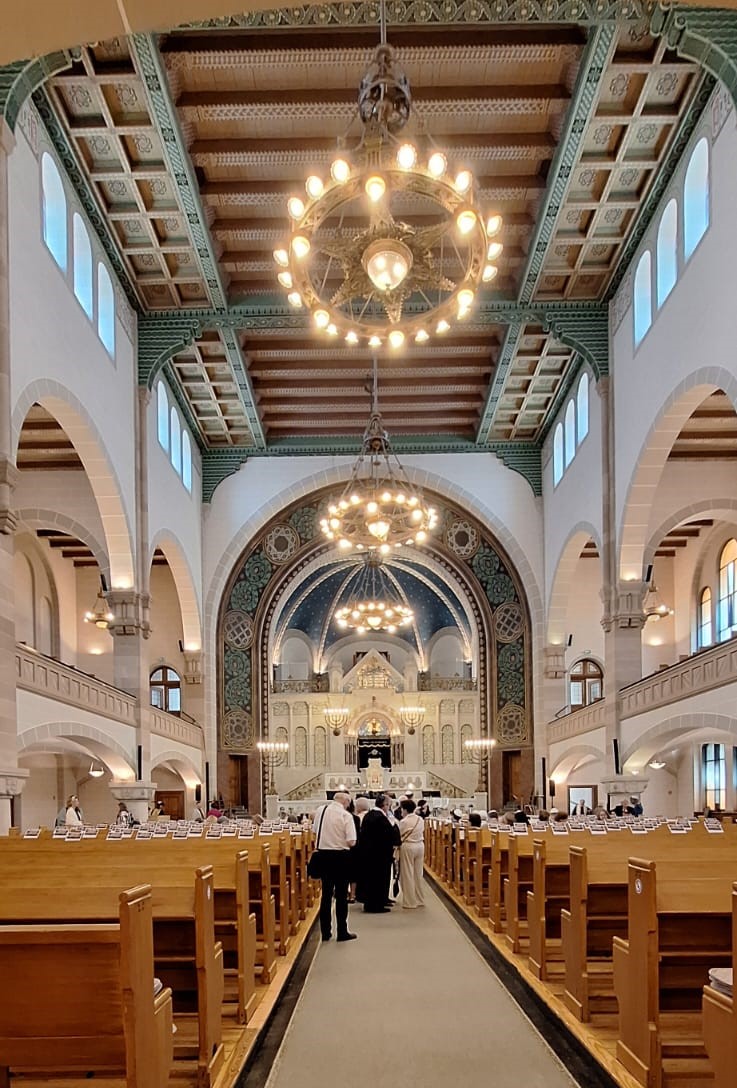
x: 396, y: 338
x: 374, y: 341
x: 375, y: 188
x: 421, y: 336
x: 295, y: 207
x: 331, y: 330
x: 322, y: 319
x: 285, y: 279
x: 463, y: 181
x: 314, y: 186
x: 465, y: 298
x: 294, y: 299
x: 493, y: 225
x: 466, y: 220
x: 407, y: 156
x: 442, y: 326
x: 300, y: 246
x: 340, y: 171
x: 489, y: 273
x: 281, y: 257
x: 351, y: 337
x: 387, y: 262
x: 379, y: 529
x: 437, y: 164
x: 494, y: 250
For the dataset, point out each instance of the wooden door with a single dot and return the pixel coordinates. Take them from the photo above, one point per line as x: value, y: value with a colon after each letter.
x: 512, y: 776
x: 172, y: 802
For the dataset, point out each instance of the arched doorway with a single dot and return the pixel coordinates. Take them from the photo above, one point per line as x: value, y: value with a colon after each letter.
x: 374, y: 742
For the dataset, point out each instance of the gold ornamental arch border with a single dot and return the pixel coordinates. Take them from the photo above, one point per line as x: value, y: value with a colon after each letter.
x: 462, y: 546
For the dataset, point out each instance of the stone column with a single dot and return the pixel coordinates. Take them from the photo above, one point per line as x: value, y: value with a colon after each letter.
x: 623, y: 621
x: 12, y: 778
x: 130, y: 628
x: 137, y: 796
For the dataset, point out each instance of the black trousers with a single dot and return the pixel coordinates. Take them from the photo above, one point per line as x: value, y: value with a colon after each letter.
x: 334, y: 884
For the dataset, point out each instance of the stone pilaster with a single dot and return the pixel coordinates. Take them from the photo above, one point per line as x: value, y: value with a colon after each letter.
x: 130, y: 628
x: 194, y: 693
x: 554, y: 680
x: 137, y: 796
x: 622, y: 621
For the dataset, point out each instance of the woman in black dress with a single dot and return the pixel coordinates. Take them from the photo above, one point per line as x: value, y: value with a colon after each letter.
x: 377, y: 839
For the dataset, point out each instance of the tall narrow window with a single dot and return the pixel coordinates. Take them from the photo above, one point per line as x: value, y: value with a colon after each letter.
x: 558, y: 455
x: 728, y: 590
x: 162, y: 407
x: 175, y: 439
x: 54, y: 211
x: 105, y: 309
x: 705, y: 618
x: 643, y: 297
x: 667, y: 263
x: 186, y: 460
x: 696, y: 198
x: 82, y: 265
x: 713, y: 774
x: 582, y: 408
x: 570, y: 429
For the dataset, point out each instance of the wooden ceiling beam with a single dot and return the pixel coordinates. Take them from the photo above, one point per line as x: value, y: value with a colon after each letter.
x: 278, y: 186
x: 350, y: 223
x: 702, y: 455
x: 541, y: 143
x: 314, y: 97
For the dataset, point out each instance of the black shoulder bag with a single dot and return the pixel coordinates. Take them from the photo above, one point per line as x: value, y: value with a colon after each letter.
x: 314, y: 865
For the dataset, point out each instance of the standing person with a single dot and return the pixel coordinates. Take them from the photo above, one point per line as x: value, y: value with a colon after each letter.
x: 335, y: 834
x: 377, y: 841
x: 412, y: 855
x: 198, y: 813
x: 123, y: 818
x: 73, y: 816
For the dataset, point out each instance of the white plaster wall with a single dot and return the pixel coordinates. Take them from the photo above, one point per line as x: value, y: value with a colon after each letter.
x: 37, y: 711
x: 695, y: 328
x: 583, y: 616
x: 59, y: 345
x: 94, y: 644
x: 446, y: 656
x: 162, y: 648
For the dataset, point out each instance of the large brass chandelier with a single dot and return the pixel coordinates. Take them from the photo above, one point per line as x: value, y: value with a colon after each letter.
x: 365, y: 272
x: 379, y: 509
x: 374, y: 603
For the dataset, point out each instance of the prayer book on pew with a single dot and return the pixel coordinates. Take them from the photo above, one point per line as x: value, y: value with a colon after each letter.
x: 720, y: 978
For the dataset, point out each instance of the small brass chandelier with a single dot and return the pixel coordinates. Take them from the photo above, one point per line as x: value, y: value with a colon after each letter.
x: 379, y: 509
x: 100, y: 614
x: 654, y: 607
x: 374, y: 604
x: 400, y: 280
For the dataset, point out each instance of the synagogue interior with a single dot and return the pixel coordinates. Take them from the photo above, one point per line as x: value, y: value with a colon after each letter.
x: 368, y: 396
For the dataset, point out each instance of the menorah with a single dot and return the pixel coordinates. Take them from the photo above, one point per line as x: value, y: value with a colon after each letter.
x: 336, y: 717
x: 412, y: 717
x: 479, y: 749
x: 273, y: 754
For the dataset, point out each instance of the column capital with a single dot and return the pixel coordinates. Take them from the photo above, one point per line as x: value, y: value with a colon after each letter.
x: 193, y: 667
x: 131, y: 611
x: 13, y: 781
x: 554, y: 667
x: 133, y: 791
x: 623, y: 606
x: 9, y: 476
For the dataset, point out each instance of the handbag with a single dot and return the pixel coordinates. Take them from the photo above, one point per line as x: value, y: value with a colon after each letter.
x: 314, y: 865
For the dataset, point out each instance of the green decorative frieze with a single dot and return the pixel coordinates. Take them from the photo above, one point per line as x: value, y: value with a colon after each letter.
x: 85, y: 194
x: 160, y: 337
x: 19, y: 81
x: 184, y: 405
x: 435, y: 13
x: 582, y: 108
x: 587, y: 331
x: 706, y: 35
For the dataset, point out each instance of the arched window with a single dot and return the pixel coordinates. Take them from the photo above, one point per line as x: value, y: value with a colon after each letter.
x: 54, y: 211
x: 428, y: 745
x: 728, y: 590
x: 321, y: 747
x: 696, y: 198
x: 82, y: 265
x: 282, y: 736
x: 105, y: 309
x: 166, y: 690
x: 300, y: 746
x: 175, y: 437
x: 162, y: 407
x: 558, y: 455
x: 667, y: 263
x: 582, y: 408
x: 704, y: 634
x: 713, y: 775
x: 24, y: 584
x: 585, y: 683
x: 186, y: 460
x: 446, y: 743
x: 643, y: 297
x: 45, y: 615
x: 570, y: 429
x: 466, y: 734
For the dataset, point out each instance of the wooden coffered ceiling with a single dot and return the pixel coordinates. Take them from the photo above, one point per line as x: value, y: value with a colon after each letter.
x: 191, y: 143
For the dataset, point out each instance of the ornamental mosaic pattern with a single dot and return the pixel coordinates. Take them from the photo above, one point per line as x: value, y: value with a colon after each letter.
x: 270, y: 559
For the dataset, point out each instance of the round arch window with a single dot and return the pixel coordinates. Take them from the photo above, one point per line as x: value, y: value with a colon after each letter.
x: 585, y: 683
x: 166, y: 690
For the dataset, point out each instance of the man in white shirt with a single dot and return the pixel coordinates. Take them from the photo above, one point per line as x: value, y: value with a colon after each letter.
x: 335, y: 834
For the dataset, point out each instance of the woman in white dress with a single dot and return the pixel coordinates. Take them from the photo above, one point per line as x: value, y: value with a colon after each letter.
x: 74, y: 814
x: 411, y: 856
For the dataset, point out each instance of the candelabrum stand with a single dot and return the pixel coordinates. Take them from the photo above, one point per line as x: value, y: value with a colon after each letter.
x: 412, y: 717
x: 273, y: 755
x: 336, y: 717
x: 479, y: 751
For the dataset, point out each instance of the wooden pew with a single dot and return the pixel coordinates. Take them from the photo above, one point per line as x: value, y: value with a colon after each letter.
x: 473, y: 835
x: 720, y: 1020
x: 481, y: 874
x: 82, y: 997
x: 516, y: 884
x: 678, y: 928
x: 549, y: 895
x: 77, y: 882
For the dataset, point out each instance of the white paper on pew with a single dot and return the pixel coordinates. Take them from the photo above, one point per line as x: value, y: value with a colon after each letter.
x: 714, y: 827
x: 598, y: 830
x: 143, y: 833
x: 721, y: 979
x: 577, y: 827
x: 32, y: 833
x: 676, y: 830
x: 59, y: 833
x: 90, y: 833
x: 638, y: 830
x: 181, y: 833
x: 246, y: 833
x: 558, y: 830
x: 230, y: 831
x: 461, y: 834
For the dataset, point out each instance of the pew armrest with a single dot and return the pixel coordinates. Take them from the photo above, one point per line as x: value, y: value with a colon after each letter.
x: 720, y: 1035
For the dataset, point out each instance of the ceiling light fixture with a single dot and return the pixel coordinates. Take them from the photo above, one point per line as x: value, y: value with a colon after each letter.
x: 96, y: 770
x: 100, y: 614
x: 379, y: 509
x: 654, y: 607
x: 387, y: 272
x: 374, y: 604
x: 657, y: 764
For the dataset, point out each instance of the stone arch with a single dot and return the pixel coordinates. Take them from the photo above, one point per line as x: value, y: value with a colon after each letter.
x: 650, y: 463
x: 186, y: 591
x: 183, y: 766
x: 573, y: 758
x: 682, y: 727
x: 299, y: 636
x: 563, y: 579
x: 79, y: 425
x: 36, y: 518
x: 118, y: 761
x: 726, y: 508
